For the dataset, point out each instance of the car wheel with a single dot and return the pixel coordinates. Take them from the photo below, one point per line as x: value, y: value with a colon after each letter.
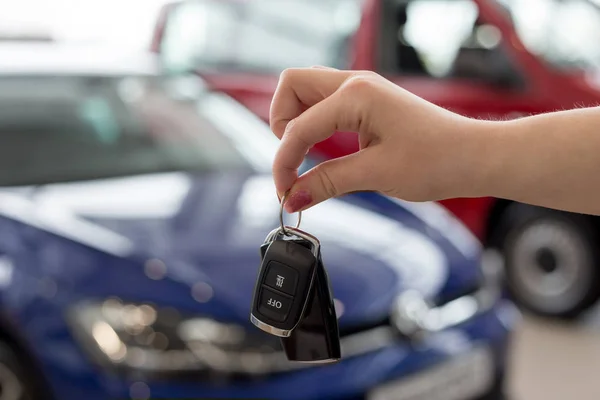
x: 13, y: 377
x: 551, y: 260
x: 497, y: 394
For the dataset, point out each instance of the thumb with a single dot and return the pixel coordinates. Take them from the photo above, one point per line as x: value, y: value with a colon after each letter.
x: 333, y: 178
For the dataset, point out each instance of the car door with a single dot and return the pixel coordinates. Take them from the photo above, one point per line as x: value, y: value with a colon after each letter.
x: 452, y: 53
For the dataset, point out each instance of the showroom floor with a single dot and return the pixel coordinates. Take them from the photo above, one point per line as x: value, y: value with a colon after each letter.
x: 556, y: 361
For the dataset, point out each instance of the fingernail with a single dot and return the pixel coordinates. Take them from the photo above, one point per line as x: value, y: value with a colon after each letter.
x: 298, y: 200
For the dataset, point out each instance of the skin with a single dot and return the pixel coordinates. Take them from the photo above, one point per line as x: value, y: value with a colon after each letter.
x: 414, y: 150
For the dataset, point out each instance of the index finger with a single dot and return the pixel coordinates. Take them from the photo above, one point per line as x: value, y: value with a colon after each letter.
x: 313, y: 126
x: 299, y: 89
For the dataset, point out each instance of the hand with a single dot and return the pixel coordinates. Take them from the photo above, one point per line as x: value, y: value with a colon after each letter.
x: 409, y: 148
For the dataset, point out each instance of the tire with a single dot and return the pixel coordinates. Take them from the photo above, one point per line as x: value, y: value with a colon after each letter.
x: 496, y: 394
x: 14, y: 384
x: 551, y: 260
x: 497, y: 391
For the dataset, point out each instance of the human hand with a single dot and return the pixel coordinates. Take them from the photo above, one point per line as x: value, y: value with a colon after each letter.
x: 409, y: 148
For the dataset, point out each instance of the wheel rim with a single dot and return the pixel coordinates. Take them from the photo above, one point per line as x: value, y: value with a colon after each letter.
x: 11, y: 387
x: 551, y: 266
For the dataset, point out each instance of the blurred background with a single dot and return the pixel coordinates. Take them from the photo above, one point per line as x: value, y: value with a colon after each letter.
x: 135, y: 193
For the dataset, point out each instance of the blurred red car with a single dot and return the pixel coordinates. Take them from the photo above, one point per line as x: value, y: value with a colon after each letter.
x: 481, y: 58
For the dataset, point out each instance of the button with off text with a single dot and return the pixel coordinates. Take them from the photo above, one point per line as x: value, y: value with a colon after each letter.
x: 274, y: 305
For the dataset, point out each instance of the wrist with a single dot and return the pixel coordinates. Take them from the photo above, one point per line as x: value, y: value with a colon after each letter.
x: 478, y: 159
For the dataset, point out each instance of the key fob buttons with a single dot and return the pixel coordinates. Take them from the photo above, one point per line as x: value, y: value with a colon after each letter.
x: 274, y: 305
x: 281, y: 277
x: 283, y: 286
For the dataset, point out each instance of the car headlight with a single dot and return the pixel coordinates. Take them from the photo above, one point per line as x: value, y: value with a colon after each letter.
x: 414, y: 316
x: 142, y: 337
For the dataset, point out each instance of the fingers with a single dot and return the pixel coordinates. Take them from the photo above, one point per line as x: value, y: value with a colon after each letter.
x: 336, y: 112
x: 323, y: 67
x: 299, y: 89
x: 333, y: 178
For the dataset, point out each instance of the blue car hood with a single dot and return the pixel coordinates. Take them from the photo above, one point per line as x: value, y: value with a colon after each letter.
x: 212, y: 225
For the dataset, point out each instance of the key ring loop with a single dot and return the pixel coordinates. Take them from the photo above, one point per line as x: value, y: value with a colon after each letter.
x: 282, y: 227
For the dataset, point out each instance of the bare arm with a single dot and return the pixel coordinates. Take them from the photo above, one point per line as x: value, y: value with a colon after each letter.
x: 415, y: 150
x: 550, y: 160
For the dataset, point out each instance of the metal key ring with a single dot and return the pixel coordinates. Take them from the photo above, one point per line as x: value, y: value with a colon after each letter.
x: 282, y: 227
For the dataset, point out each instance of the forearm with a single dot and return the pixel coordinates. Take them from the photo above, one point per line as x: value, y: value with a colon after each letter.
x: 550, y: 160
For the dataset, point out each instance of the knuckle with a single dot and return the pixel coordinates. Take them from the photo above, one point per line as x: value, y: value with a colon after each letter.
x: 287, y: 75
x: 300, y: 139
x: 278, y: 126
x: 289, y: 126
x: 369, y: 74
x: 357, y: 84
x: 327, y: 183
x: 295, y: 136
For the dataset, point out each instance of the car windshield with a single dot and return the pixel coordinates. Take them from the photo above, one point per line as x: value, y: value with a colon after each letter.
x: 565, y: 33
x: 57, y: 129
x: 263, y: 36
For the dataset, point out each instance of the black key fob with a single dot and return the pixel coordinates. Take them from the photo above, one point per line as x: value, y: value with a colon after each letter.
x: 293, y: 297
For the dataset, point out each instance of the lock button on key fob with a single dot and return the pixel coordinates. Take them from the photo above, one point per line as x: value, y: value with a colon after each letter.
x: 281, y: 278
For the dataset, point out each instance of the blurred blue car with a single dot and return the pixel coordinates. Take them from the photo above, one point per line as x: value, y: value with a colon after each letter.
x: 132, y: 208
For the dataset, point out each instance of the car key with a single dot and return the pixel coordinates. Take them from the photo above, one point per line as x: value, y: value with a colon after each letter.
x: 293, y: 297
x: 285, y: 281
x: 316, y: 338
